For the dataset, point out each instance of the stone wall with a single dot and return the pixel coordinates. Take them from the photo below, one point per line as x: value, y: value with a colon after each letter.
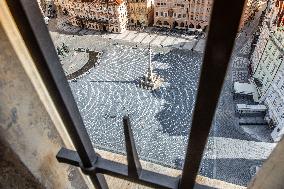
x: 13, y: 174
x: 26, y: 126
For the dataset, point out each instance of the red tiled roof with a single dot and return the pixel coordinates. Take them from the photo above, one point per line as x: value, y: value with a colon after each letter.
x: 118, y: 2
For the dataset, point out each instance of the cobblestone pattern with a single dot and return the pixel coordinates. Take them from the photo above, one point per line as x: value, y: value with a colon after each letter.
x: 160, y: 120
x: 238, y: 169
x: 240, y: 64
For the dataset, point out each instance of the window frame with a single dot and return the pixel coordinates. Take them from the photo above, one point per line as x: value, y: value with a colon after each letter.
x: 36, y: 37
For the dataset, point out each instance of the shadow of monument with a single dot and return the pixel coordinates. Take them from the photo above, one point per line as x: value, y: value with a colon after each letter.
x: 181, y: 77
x: 181, y: 81
x: 93, y: 61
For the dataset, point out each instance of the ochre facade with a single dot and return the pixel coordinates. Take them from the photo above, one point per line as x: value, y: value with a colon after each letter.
x: 199, y: 13
x: 251, y: 7
x: 182, y: 14
x: 116, y: 15
x: 100, y: 15
x: 140, y: 12
x: 171, y: 13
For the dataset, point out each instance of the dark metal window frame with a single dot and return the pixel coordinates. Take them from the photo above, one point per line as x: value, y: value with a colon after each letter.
x: 223, y: 28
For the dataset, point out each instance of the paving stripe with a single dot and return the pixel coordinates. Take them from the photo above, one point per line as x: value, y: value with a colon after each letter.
x: 158, y: 40
x: 139, y: 37
x: 131, y: 36
x: 168, y: 41
x: 189, y: 45
x: 200, y: 45
x: 178, y: 43
x: 149, y: 38
x: 122, y: 35
x: 82, y: 32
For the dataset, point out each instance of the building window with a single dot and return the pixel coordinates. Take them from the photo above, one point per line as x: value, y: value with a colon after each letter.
x: 166, y: 23
x: 170, y: 12
x: 278, y: 80
x: 273, y: 52
x: 274, y: 102
x: 158, y: 22
x: 157, y: 13
x: 267, y: 66
x: 272, y: 70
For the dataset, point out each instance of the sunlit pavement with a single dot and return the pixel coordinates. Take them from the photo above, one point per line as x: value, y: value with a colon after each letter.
x: 161, y: 119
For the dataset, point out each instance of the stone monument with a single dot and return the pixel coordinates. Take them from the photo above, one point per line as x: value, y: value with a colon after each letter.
x: 151, y: 81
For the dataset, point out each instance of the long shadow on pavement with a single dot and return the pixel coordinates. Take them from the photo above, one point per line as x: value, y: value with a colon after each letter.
x: 181, y: 77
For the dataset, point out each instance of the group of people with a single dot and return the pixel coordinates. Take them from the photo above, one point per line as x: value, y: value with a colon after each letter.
x: 136, y: 28
x: 50, y: 13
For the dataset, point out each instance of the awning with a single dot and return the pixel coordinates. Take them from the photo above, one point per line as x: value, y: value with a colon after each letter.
x: 246, y: 89
x: 252, y: 108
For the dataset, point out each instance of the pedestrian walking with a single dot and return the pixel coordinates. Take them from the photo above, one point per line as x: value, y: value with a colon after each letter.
x: 46, y: 20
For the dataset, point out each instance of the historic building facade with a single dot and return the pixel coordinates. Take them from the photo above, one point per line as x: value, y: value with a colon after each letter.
x: 279, y: 4
x: 268, y: 68
x: 182, y: 14
x: 195, y: 14
x: 269, y: 63
x: 274, y: 97
x: 265, y: 61
x: 251, y: 7
x: 199, y: 13
x: 171, y: 13
x: 47, y: 7
x: 104, y: 15
x: 140, y: 12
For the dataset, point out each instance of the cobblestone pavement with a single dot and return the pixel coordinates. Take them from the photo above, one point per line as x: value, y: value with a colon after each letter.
x: 161, y: 120
x: 237, y: 150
